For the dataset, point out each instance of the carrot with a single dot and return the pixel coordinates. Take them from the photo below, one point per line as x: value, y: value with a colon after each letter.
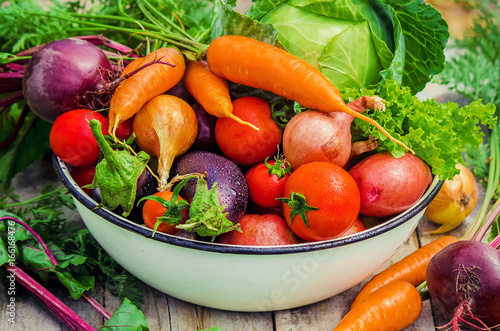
x: 144, y: 85
x: 210, y: 91
x: 392, y: 307
x: 257, y: 64
x: 412, y: 268
x: 136, y: 63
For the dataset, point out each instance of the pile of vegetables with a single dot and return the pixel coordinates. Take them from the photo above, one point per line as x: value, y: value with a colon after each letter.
x: 183, y: 132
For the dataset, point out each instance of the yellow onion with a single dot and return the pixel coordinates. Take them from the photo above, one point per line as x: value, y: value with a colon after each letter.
x: 165, y: 127
x: 454, y: 202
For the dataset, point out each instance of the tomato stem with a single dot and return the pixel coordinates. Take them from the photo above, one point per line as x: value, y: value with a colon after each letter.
x: 297, y: 202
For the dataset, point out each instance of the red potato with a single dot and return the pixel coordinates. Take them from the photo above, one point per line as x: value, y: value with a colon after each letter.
x: 390, y: 185
x: 358, y: 226
x: 260, y: 230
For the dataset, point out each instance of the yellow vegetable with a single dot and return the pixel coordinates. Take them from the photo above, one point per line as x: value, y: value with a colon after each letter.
x: 454, y: 202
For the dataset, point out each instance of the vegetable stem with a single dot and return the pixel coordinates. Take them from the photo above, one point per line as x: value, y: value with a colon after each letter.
x: 62, y: 311
x: 483, y: 220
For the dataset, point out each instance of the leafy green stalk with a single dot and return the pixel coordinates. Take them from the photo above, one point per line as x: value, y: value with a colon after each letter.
x: 46, y: 214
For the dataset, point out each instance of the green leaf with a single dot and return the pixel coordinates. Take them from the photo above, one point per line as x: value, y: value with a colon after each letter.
x: 77, y: 284
x: 127, y: 318
x: 438, y: 133
x: 425, y: 37
x: 30, y: 145
x: 4, y: 254
x: 227, y: 21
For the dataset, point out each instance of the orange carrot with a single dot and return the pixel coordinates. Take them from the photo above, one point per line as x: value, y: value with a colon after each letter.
x: 144, y: 85
x: 136, y: 63
x: 257, y: 64
x: 391, y: 307
x: 210, y: 91
x: 412, y: 268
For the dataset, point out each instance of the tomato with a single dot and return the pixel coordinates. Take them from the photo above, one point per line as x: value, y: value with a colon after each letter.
x: 124, y: 129
x: 260, y: 230
x: 153, y: 209
x: 83, y: 176
x: 243, y: 144
x: 266, y: 182
x: 71, y: 138
x: 326, y: 201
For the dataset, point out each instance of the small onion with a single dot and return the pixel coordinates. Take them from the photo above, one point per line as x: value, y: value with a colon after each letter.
x: 454, y: 202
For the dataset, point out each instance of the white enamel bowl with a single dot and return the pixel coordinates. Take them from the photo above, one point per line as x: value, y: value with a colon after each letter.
x: 245, y: 278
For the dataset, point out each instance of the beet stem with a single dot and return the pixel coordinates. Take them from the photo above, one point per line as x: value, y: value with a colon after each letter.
x: 62, y: 311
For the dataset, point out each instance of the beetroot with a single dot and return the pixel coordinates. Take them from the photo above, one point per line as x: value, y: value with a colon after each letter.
x: 464, y: 283
x: 60, y: 74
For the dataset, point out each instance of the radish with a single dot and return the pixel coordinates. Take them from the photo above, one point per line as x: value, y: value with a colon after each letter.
x: 61, y: 73
x: 464, y: 283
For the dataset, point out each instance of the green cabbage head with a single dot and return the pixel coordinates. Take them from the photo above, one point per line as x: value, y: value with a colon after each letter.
x: 361, y: 43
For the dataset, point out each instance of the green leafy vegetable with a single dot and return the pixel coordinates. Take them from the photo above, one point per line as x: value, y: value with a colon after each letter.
x: 438, y: 133
x: 360, y: 44
x: 127, y: 317
x: 76, y: 250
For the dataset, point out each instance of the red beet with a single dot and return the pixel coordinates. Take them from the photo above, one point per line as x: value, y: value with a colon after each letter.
x: 463, y: 280
x: 60, y: 74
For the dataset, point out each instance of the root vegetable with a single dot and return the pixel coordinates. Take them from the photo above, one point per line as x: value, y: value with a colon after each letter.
x: 390, y: 185
x: 146, y: 84
x: 257, y: 64
x: 60, y: 74
x: 464, y: 283
x: 165, y: 127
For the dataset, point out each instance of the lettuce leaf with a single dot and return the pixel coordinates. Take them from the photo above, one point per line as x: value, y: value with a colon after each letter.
x: 437, y: 132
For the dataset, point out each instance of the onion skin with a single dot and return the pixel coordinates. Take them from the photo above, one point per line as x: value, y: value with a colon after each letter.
x: 165, y: 127
x: 454, y: 202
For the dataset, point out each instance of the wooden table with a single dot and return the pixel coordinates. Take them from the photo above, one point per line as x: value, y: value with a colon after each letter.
x: 166, y: 313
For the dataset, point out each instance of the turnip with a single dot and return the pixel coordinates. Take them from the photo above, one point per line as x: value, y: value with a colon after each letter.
x: 61, y: 73
x: 390, y: 185
x: 464, y: 283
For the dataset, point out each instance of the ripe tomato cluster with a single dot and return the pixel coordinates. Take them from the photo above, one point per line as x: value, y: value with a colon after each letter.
x: 317, y: 201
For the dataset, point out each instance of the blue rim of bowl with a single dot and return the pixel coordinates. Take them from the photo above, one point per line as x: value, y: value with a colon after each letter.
x: 63, y: 174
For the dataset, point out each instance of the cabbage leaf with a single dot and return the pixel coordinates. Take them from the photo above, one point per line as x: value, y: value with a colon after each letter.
x: 361, y: 43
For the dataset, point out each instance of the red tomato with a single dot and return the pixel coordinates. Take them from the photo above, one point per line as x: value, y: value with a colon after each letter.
x: 152, y: 210
x: 83, y: 176
x: 266, y: 182
x: 124, y: 129
x: 71, y: 138
x: 243, y: 144
x: 260, y: 230
x: 333, y: 195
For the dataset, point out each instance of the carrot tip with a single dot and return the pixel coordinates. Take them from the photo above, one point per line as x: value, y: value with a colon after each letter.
x: 239, y: 120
